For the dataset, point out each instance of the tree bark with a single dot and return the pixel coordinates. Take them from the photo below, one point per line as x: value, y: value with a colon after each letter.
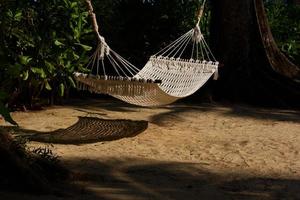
x: 254, y: 70
x: 278, y: 61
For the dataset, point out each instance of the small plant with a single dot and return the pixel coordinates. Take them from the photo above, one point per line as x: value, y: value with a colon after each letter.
x: 45, y: 153
x: 47, y: 162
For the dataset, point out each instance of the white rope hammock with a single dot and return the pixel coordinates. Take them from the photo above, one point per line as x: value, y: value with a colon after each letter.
x: 175, y: 72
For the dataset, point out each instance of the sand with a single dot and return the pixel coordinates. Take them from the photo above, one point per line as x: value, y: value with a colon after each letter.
x: 189, y: 151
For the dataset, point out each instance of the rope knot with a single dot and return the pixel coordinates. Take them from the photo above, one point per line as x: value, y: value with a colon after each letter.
x: 197, y: 35
x: 103, y: 48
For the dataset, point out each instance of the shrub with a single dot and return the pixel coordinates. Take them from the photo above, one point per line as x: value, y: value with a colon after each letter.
x: 41, y: 45
x: 284, y: 20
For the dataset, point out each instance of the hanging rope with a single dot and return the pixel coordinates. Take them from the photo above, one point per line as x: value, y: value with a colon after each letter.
x: 94, y: 19
x: 200, y: 12
x: 103, y: 47
x: 197, y: 32
x: 175, y: 72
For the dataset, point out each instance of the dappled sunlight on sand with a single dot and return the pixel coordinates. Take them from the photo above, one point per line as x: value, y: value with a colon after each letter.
x: 214, y: 151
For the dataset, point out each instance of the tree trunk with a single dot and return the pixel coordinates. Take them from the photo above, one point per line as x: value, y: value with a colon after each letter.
x: 254, y: 69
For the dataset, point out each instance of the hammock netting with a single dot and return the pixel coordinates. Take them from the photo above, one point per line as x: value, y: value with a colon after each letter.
x: 175, y: 72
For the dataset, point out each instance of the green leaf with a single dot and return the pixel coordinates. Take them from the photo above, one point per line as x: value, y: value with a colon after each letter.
x: 18, y: 16
x: 85, y: 14
x: 24, y: 60
x: 73, y: 84
x: 58, y: 43
x: 73, y: 4
x: 50, y: 67
x: 75, y: 56
x: 6, y: 115
x: 68, y: 64
x: 39, y: 71
x: 74, y: 16
x: 87, y: 31
x: 25, y: 75
x: 48, y: 86
x: 76, y: 33
x: 66, y: 2
x: 84, y: 69
x: 85, y: 47
x: 61, y: 90
x: 10, y: 14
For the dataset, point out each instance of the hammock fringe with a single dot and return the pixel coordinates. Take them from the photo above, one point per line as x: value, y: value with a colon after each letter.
x: 175, y: 72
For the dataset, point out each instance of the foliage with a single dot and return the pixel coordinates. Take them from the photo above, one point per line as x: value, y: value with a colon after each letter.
x: 41, y: 45
x: 139, y: 28
x: 43, y: 42
x: 284, y: 20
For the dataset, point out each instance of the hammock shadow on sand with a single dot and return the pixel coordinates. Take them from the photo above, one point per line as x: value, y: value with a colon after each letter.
x: 90, y: 130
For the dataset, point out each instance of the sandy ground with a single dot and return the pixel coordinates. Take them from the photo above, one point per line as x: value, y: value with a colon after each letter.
x: 187, y: 152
